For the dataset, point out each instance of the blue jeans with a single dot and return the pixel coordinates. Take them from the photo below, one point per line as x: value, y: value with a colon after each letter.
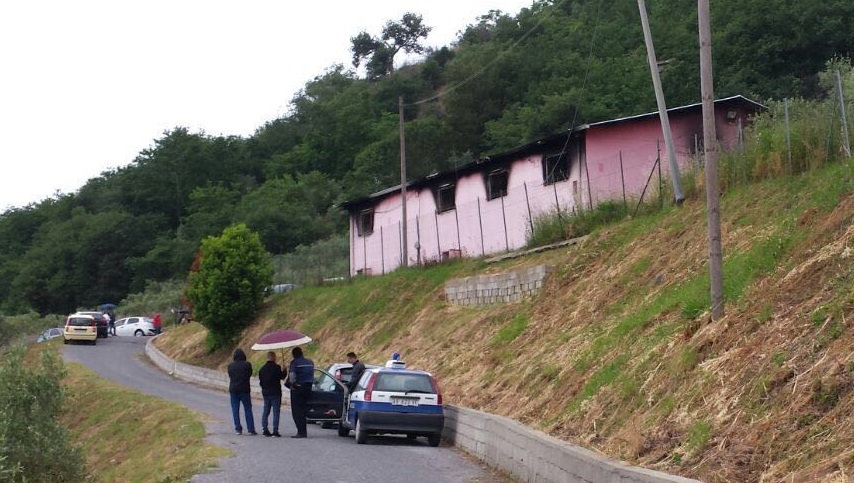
x: 273, y: 402
x: 236, y: 399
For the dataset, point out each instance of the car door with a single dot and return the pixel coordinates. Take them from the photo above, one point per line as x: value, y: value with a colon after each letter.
x: 327, y: 398
x: 121, y: 326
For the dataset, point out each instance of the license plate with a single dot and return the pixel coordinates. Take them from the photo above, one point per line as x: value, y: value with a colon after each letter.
x: 404, y: 401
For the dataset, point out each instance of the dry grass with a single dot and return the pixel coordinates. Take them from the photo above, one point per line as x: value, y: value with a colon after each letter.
x: 619, y: 356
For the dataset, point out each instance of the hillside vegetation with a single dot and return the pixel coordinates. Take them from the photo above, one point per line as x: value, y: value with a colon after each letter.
x: 618, y: 354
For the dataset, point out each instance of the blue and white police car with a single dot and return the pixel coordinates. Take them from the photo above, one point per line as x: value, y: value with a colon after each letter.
x: 394, y: 400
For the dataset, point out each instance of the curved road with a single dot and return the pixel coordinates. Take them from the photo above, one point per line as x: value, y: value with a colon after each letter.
x: 322, y: 457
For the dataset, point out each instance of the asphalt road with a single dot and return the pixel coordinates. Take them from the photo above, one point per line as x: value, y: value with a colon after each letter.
x: 323, y: 457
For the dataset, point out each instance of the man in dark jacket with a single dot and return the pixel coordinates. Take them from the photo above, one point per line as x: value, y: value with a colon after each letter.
x: 300, y: 379
x: 356, y: 374
x: 239, y: 372
x: 270, y: 376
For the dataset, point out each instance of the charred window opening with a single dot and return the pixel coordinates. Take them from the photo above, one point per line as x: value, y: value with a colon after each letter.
x: 365, y: 222
x: 496, y: 184
x: 556, y: 168
x: 446, y: 198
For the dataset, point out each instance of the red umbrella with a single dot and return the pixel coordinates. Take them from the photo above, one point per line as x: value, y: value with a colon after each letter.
x: 280, y: 339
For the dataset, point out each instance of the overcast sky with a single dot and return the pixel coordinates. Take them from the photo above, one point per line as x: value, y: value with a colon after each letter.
x: 86, y: 85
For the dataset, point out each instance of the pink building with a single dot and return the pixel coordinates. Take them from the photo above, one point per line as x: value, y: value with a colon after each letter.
x: 488, y: 206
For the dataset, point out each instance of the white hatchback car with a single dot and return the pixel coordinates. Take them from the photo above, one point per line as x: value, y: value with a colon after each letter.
x: 135, y: 326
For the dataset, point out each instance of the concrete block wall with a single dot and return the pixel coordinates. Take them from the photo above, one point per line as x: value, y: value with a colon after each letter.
x: 496, y: 288
x: 529, y: 455
x: 198, y: 375
x: 535, y: 457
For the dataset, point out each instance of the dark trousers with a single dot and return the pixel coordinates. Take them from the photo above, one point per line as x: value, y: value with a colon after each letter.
x: 299, y: 402
x: 244, y: 398
x: 274, y: 403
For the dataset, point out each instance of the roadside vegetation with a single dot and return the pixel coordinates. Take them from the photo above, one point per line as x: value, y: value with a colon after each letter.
x: 618, y: 352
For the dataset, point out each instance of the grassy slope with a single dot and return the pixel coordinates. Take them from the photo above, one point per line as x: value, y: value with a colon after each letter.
x: 132, y: 437
x: 618, y: 353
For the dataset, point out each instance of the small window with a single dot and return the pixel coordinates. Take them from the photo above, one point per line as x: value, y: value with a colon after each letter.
x: 555, y: 168
x: 445, y: 198
x: 365, y: 222
x: 496, y: 184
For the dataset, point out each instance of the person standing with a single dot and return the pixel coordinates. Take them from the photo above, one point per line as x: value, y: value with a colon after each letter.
x: 270, y: 376
x: 239, y: 373
x: 158, y: 325
x: 300, y: 379
x: 356, y: 374
x: 111, y: 317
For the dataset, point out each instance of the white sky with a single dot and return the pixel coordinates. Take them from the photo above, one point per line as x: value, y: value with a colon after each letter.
x: 86, y: 85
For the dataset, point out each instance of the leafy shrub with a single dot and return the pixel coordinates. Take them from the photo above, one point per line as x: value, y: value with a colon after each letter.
x: 228, y: 289
x: 35, y: 447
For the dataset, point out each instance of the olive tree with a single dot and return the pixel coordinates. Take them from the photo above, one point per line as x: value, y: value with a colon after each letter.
x: 227, y: 290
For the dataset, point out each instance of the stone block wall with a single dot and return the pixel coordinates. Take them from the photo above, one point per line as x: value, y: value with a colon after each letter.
x: 496, y: 288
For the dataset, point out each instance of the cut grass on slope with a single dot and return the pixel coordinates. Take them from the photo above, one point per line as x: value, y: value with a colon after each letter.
x: 132, y: 437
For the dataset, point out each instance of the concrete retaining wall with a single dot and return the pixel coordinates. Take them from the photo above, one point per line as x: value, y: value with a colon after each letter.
x: 496, y: 288
x: 529, y: 455
x: 198, y: 375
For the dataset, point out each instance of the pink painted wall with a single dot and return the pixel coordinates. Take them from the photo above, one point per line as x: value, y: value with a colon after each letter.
x: 480, y: 227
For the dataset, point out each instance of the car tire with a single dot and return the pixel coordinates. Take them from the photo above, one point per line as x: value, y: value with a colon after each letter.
x: 94, y: 342
x: 434, y: 439
x: 361, y: 434
x: 65, y: 341
x: 342, y: 430
x: 138, y: 333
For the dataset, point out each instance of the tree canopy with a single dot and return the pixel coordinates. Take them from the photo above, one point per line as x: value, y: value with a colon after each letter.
x: 507, y: 80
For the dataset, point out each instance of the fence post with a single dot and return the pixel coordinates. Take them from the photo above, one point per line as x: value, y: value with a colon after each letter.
x: 623, y: 182
x: 480, y: 222
x: 418, y: 239
x: 457, y: 218
x: 528, y: 204
x: 382, y: 250
x: 504, y: 219
x: 438, y: 243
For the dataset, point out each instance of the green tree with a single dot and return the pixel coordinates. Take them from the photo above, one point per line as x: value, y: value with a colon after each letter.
x: 228, y: 289
x: 379, y: 51
x: 35, y: 446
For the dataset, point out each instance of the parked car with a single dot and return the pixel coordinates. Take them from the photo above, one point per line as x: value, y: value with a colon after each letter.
x: 101, y: 319
x: 394, y: 400
x: 80, y: 327
x: 135, y: 326
x: 51, y: 333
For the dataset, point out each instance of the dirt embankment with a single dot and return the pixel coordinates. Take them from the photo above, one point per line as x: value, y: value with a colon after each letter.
x: 617, y: 355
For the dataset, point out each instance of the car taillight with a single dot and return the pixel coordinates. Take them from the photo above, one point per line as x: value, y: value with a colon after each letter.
x: 436, y: 389
x: 370, y: 387
x: 93, y: 324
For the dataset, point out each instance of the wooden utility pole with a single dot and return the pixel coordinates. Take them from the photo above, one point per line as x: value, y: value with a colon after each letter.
x: 846, y: 145
x: 404, y: 253
x: 710, y: 146
x: 662, y: 107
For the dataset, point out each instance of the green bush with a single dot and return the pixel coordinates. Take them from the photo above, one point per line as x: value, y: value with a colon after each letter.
x: 35, y: 447
x: 228, y: 289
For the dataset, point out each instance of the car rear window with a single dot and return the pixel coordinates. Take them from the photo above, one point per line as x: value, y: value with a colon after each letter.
x: 79, y: 321
x: 391, y: 382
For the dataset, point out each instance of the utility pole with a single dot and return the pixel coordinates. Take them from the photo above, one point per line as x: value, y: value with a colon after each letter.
x: 405, y: 255
x: 846, y: 145
x: 710, y: 147
x: 662, y: 107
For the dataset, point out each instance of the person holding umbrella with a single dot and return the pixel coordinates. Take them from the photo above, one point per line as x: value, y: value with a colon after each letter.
x: 300, y: 380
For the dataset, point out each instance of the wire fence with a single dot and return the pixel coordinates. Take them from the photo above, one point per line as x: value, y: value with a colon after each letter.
x: 792, y: 137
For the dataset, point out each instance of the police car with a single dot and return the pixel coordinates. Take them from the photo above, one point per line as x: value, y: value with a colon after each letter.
x: 394, y: 400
